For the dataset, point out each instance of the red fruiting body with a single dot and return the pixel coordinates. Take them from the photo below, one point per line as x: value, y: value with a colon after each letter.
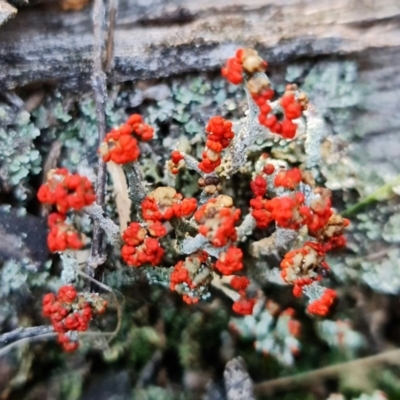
x: 62, y: 236
x: 55, y: 218
x: 230, y: 261
x: 288, y: 179
x: 67, y: 294
x: 120, y: 146
x: 139, y: 249
x: 291, y: 107
x: 176, y: 156
x: 175, y: 163
x: 282, y: 210
x: 248, y: 61
x: 245, y: 60
x: 233, y: 70
x: 219, y: 136
x: 217, y: 221
x: 239, y: 283
x: 288, y: 129
x: 190, y: 276
x: 165, y: 203
x: 322, y: 305
x: 70, y: 311
x: 179, y: 275
x: 258, y: 186
x: 143, y: 131
x: 157, y: 229
x: 66, y: 191
x: 269, y: 169
x: 243, y: 306
x: 220, y: 131
x: 300, y: 266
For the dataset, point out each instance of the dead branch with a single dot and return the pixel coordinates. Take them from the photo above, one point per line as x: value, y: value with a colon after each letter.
x: 332, y: 371
x: 97, y: 256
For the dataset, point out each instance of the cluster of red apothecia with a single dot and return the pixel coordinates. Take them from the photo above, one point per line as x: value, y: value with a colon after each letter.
x: 141, y: 244
x: 219, y: 135
x: 247, y: 64
x: 176, y: 162
x: 305, y: 265
x: 120, y: 144
x: 70, y: 311
x: 192, y: 276
x: 65, y: 192
x: 321, y: 306
x: 166, y: 203
x: 216, y: 220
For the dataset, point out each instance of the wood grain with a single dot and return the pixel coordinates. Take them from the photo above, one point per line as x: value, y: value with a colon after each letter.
x: 169, y: 37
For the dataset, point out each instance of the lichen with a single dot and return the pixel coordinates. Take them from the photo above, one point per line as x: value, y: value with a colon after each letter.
x: 18, y: 155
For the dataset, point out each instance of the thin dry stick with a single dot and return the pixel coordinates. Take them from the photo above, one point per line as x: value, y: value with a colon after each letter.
x: 4, y: 350
x: 307, y: 378
x: 218, y: 283
x: 51, y: 335
x: 25, y: 333
x: 112, y: 18
x: 97, y: 256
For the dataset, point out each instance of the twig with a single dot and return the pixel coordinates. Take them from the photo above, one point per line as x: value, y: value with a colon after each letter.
x: 218, y: 283
x: 137, y: 192
x: 246, y: 228
x: 111, y: 229
x: 183, y: 227
x: 4, y: 350
x: 112, y: 17
x: 24, y: 333
x: 52, y: 158
x: 149, y: 370
x: 192, y: 163
x: 307, y: 378
x: 97, y: 256
x: 51, y: 335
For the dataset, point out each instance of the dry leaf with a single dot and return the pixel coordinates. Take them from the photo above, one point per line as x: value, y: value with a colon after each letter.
x: 121, y: 192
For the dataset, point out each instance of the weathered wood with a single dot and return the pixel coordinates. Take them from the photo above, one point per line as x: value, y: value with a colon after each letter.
x: 22, y: 237
x: 7, y: 11
x: 163, y: 38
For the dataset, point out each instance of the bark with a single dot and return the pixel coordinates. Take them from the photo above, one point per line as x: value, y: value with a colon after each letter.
x: 22, y: 237
x: 167, y: 37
